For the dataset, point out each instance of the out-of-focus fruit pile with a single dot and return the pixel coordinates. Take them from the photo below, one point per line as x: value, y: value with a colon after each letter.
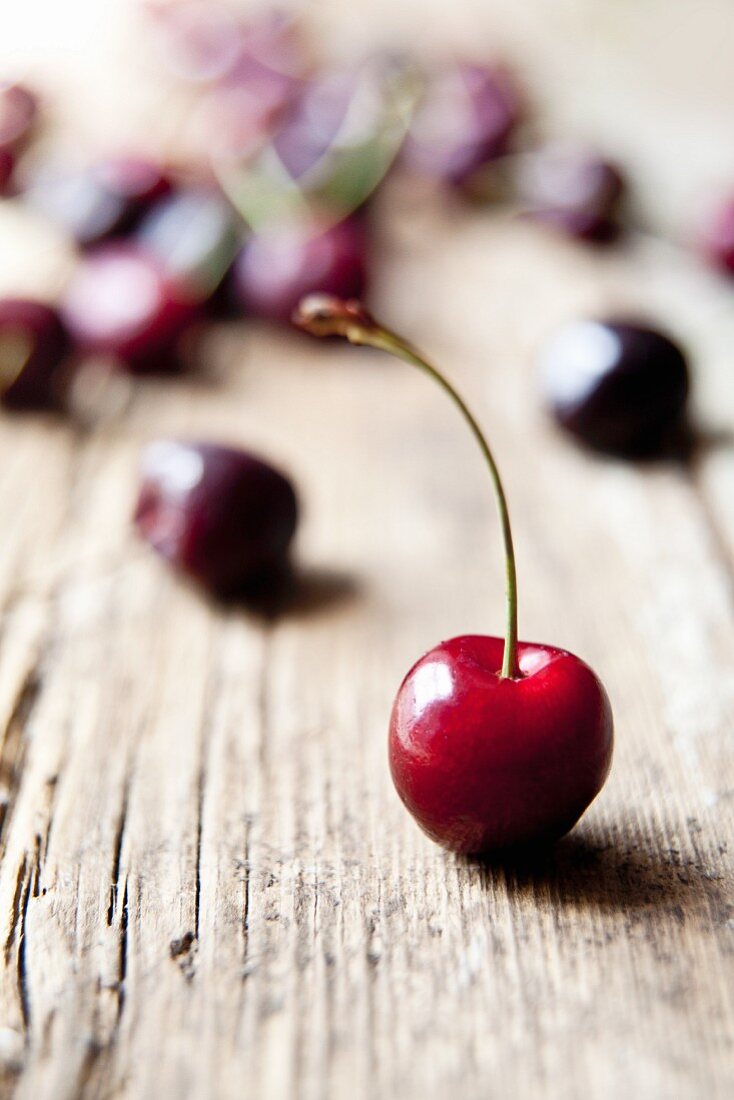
x: 278, y: 205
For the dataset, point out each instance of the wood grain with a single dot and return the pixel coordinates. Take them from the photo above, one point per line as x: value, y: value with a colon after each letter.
x: 208, y: 886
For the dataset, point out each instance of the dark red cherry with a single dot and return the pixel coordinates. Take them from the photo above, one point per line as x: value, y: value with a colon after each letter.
x: 193, y: 234
x: 617, y: 386
x: 572, y: 189
x: 486, y: 763
x: 465, y: 121
x: 33, y: 345
x: 121, y: 303
x: 716, y: 236
x: 278, y: 266
x: 222, y: 516
x: 103, y: 200
x: 18, y: 113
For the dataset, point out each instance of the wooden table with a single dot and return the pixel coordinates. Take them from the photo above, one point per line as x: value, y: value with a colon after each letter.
x: 208, y: 887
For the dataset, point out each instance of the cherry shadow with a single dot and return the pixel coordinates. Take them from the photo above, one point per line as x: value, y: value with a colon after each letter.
x: 301, y: 593
x: 607, y: 871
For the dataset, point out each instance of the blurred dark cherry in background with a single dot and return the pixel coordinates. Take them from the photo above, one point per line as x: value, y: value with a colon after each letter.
x: 466, y: 119
x: 18, y: 116
x: 99, y: 201
x: 193, y: 234
x: 617, y: 386
x: 33, y: 346
x: 279, y: 266
x: 220, y: 515
x: 572, y: 189
x: 121, y: 303
x: 7, y: 167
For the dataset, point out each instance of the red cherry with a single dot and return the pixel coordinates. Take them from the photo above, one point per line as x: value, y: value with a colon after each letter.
x: 484, y: 762
x: 493, y: 744
x: 278, y: 266
x: 220, y: 515
x: 120, y: 302
x: 7, y: 167
x: 33, y: 345
x: 572, y: 189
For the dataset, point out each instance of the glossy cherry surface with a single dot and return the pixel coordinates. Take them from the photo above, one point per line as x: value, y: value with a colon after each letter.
x: 120, y: 302
x: 466, y: 120
x: 33, y: 345
x: 100, y: 201
x: 277, y: 267
x: 615, y: 385
x: 486, y: 763
x: 220, y: 515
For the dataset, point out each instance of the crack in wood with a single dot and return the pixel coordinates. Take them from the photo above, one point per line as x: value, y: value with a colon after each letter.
x: 117, y: 854
x: 13, y: 743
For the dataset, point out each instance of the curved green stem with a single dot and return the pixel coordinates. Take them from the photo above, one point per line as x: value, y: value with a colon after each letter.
x: 326, y: 316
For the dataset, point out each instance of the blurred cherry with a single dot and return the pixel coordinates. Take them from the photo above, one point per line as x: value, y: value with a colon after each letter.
x: 33, y: 345
x: 223, y: 516
x: 7, y: 167
x: 466, y: 120
x: 280, y: 265
x: 18, y: 114
x: 121, y: 303
x: 616, y: 386
x: 193, y: 234
x: 104, y: 200
x: 572, y: 189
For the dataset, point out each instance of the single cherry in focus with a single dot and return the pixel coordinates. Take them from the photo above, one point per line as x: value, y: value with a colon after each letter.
x: 493, y: 744
x: 616, y: 386
x: 278, y: 267
x: 222, y: 516
x: 33, y: 346
x: 120, y: 302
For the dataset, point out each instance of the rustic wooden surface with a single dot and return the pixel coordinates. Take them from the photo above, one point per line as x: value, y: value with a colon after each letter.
x: 208, y: 886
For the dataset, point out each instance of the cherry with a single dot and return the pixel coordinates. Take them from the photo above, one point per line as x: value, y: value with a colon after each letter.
x: 121, y: 303
x: 194, y: 235
x: 101, y: 201
x: 615, y: 385
x: 716, y: 237
x: 493, y: 744
x: 279, y: 265
x: 572, y: 189
x: 18, y: 113
x: 222, y: 516
x: 33, y: 344
x: 465, y: 121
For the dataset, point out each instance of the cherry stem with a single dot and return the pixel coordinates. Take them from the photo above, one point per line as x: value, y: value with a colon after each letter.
x: 322, y: 315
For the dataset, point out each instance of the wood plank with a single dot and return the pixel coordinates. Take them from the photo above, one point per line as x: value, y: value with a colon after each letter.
x: 208, y: 884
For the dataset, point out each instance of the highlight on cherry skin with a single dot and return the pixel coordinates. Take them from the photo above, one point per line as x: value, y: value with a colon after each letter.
x: 494, y: 744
